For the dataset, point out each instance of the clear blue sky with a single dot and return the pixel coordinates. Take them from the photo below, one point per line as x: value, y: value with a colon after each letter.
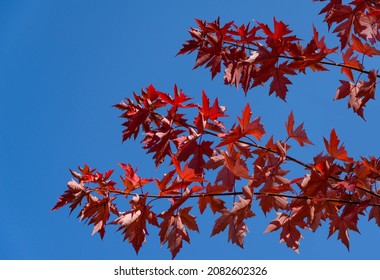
x: 64, y: 63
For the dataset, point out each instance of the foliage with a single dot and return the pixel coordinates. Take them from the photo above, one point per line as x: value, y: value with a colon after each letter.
x: 208, y: 162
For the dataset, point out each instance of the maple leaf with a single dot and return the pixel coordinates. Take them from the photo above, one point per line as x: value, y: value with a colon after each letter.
x: 333, y: 148
x: 133, y: 222
x: 158, y: 141
x: 208, y: 198
x: 74, y: 195
x: 254, y: 128
x: 207, y: 113
x: 186, y: 174
x: 375, y: 211
x: 97, y: 211
x: 346, y: 221
x: 131, y: 180
x: 212, y: 51
x: 299, y: 134
x: 178, y: 100
x: 350, y: 62
x: 188, y: 146
x: 246, y: 127
x: 270, y: 193
x: 365, y: 49
x: 236, y: 165
x: 234, y: 219
x: 289, y: 233
x: 280, y: 30
x: 280, y: 82
x: 173, y: 228
x: 140, y: 114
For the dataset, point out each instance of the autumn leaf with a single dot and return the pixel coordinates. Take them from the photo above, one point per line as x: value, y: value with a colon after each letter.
x: 234, y: 219
x: 346, y: 221
x: 289, y: 232
x: 179, y: 99
x: 74, y: 195
x: 349, y: 63
x: 247, y: 127
x: 299, y: 134
x: 333, y: 148
x: 187, y: 174
x: 97, y: 211
x: 365, y: 49
x: 210, y: 198
x: 279, y: 82
x: 133, y: 222
x: 131, y: 180
x: 173, y: 228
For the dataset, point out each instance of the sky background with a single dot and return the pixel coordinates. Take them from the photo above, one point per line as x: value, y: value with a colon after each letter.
x: 64, y: 63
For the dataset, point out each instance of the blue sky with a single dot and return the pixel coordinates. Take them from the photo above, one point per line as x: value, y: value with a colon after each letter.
x: 64, y: 63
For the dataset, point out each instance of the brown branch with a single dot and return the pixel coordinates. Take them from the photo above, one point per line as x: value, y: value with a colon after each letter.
x: 324, y: 62
x: 354, y: 202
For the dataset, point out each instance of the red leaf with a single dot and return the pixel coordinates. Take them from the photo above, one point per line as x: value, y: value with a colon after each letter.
x: 350, y: 61
x: 158, y: 141
x: 366, y: 49
x: 173, y: 229
x: 254, y: 128
x: 188, y: 174
x: 133, y: 222
x: 188, y: 146
x: 375, y: 211
x: 236, y: 165
x: 333, y: 148
x: 235, y: 220
x: 131, y: 181
x: 178, y: 100
x: 280, y: 82
x: 209, y: 198
x: 97, y: 211
x: 74, y: 195
x: 289, y: 234
x: 299, y: 134
x: 346, y: 221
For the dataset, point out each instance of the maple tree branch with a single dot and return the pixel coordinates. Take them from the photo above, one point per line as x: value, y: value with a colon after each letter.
x: 354, y: 202
x: 290, y: 158
x: 324, y: 62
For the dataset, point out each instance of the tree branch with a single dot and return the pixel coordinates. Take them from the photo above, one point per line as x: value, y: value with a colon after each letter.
x: 324, y: 62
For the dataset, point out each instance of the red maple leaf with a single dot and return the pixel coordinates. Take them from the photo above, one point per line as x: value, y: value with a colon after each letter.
x: 131, y: 180
x: 350, y: 62
x: 247, y: 127
x: 133, y: 222
x: 365, y: 49
x: 234, y: 219
x: 209, y: 198
x: 74, y: 195
x: 346, y: 221
x: 175, y: 221
x: 289, y: 233
x: 298, y: 134
x: 333, y: 148
x: 97, y: 211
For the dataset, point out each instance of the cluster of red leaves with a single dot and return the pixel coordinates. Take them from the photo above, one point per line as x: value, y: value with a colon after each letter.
x: 257, y: 54
x: 208, y: 162
x: 336, y: 188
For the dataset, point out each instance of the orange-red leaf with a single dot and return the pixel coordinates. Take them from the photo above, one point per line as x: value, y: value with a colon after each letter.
x: 299, y: 134
x: 366, y: 49
x: 234, y: 219
x: 133, y: 222
x: 173, y: 228
x: 131, y: 180
x: 333, y: 148
x: 97, y: 211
